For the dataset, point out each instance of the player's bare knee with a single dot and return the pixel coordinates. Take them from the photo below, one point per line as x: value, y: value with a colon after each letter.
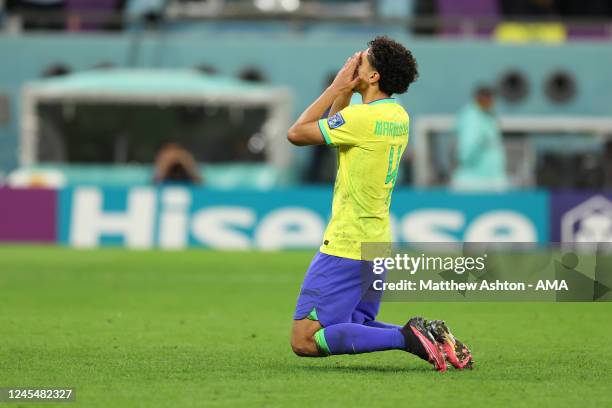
x: 298, y: 347
x: 303, y: 346
x: 302, y: 338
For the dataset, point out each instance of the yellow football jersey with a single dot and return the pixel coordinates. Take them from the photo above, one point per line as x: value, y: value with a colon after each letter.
x: 370, y: 139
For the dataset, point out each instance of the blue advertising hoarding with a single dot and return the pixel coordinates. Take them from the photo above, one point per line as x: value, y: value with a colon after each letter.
x: 179, y: 217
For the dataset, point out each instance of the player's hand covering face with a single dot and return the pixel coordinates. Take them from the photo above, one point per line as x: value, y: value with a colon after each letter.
x: 347, y: 78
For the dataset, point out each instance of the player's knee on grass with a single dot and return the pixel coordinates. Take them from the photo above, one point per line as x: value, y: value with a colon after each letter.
x: 302, y: 338
x: 304, y: 347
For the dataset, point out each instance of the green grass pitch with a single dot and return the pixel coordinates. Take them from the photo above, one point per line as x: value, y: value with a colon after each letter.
x: 204, y: 328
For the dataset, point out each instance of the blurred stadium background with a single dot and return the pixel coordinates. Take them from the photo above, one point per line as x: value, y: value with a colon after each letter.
x: 90, y: 91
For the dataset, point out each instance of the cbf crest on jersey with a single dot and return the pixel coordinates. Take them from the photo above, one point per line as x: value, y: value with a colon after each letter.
x: 335, y: 121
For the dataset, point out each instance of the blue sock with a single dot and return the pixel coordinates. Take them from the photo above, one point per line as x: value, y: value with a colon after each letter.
x: 352, y: 338
x: 381, y: 325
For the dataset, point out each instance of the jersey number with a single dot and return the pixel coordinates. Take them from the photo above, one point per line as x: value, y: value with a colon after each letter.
x: 392, y: 170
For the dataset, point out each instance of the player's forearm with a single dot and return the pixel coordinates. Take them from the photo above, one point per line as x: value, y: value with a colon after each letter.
x: 341, y: 102
x: 305, y: 131
x: 316, y: 110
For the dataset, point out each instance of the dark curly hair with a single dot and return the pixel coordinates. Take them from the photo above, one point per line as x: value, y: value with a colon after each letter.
x: 395, y: 64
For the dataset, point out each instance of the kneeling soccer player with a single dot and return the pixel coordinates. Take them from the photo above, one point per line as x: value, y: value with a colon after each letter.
x: 333, y: 314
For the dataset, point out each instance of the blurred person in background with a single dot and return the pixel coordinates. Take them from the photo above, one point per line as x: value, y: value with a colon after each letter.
x: 481, y: 159
x: 174, y: 164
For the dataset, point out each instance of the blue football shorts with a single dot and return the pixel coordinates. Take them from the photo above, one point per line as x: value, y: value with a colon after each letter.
x: 338, y: 290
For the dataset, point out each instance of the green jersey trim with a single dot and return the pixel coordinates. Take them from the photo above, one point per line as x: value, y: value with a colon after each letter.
x: 321, y: 123
x: 385, y: 100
